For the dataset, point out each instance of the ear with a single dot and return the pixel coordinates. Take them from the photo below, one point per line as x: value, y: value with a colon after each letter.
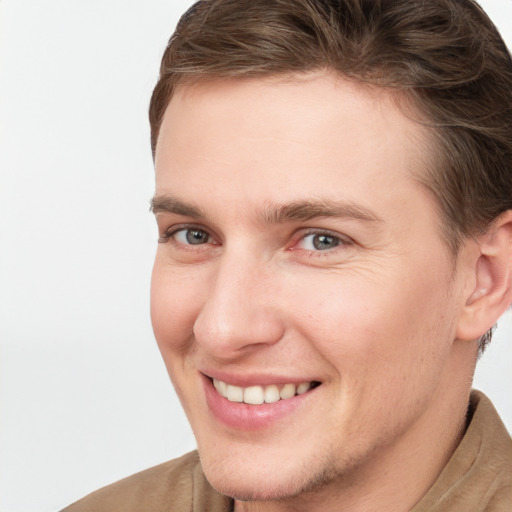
x: 490, y: 292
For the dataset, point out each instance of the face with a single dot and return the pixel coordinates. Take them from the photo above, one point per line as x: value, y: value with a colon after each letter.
x: 302, y: 297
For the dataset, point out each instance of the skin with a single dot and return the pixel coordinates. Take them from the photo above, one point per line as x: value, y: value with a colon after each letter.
x: 376, y: 319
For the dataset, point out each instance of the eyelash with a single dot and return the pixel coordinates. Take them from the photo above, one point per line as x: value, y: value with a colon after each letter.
x: 301, y: 236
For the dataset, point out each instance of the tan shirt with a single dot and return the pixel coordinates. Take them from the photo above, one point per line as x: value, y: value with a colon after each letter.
x: 477, y: 478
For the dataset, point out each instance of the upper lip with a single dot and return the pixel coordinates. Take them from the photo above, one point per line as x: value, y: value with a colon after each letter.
x: 255, y: 379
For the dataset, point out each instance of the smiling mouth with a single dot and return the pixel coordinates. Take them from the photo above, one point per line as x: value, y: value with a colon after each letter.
x: 257, y: 395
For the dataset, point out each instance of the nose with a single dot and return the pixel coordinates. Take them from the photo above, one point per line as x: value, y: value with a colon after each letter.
x: 240, y: 313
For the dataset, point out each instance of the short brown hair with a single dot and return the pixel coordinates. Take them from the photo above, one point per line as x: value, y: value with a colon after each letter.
x: 446, y: 56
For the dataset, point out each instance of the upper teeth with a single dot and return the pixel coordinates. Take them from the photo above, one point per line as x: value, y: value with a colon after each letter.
x: 256, y: 395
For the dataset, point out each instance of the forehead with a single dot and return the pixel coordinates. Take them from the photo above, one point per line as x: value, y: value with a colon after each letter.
x: 311, y: 135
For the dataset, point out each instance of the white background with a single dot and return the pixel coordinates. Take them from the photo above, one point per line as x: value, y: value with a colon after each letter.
x: 84, y: 396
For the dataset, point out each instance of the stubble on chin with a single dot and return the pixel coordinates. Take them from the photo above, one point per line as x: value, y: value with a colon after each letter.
x: 308, y: 483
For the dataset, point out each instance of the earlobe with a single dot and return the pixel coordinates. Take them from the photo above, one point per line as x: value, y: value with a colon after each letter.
x: 491, y: 290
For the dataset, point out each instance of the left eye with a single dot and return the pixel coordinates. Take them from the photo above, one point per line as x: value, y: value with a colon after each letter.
x: 319, y: 242
x: 191, y: 236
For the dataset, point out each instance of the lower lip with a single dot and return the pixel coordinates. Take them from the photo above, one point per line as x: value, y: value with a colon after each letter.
x: 250, y: 417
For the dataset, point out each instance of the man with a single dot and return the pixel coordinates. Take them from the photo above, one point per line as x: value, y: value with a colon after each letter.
x: 334, y: 204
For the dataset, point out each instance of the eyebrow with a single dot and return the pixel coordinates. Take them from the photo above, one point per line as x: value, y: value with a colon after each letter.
x: 169, y: 204
x: 308, y: 210
x: 277, y: 213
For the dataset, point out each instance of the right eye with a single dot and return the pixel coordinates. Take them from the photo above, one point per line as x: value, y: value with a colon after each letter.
x: 191, y: 236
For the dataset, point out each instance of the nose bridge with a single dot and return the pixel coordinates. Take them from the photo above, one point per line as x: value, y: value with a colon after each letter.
x: 240, y: 310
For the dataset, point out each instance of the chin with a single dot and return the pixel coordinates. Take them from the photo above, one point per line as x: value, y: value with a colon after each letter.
x: 247, y: 488
x: 250, y: 482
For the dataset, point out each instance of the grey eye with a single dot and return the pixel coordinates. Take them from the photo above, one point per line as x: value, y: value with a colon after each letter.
x: 319, y: 242
x: 191, y: 236
x: 196, y: 236
x: 322, y: 242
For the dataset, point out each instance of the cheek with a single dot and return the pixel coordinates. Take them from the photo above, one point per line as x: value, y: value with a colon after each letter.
x: 175, y: 301
x: 175, y: 298
x: 386, y: 345
x: 383, y: 329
